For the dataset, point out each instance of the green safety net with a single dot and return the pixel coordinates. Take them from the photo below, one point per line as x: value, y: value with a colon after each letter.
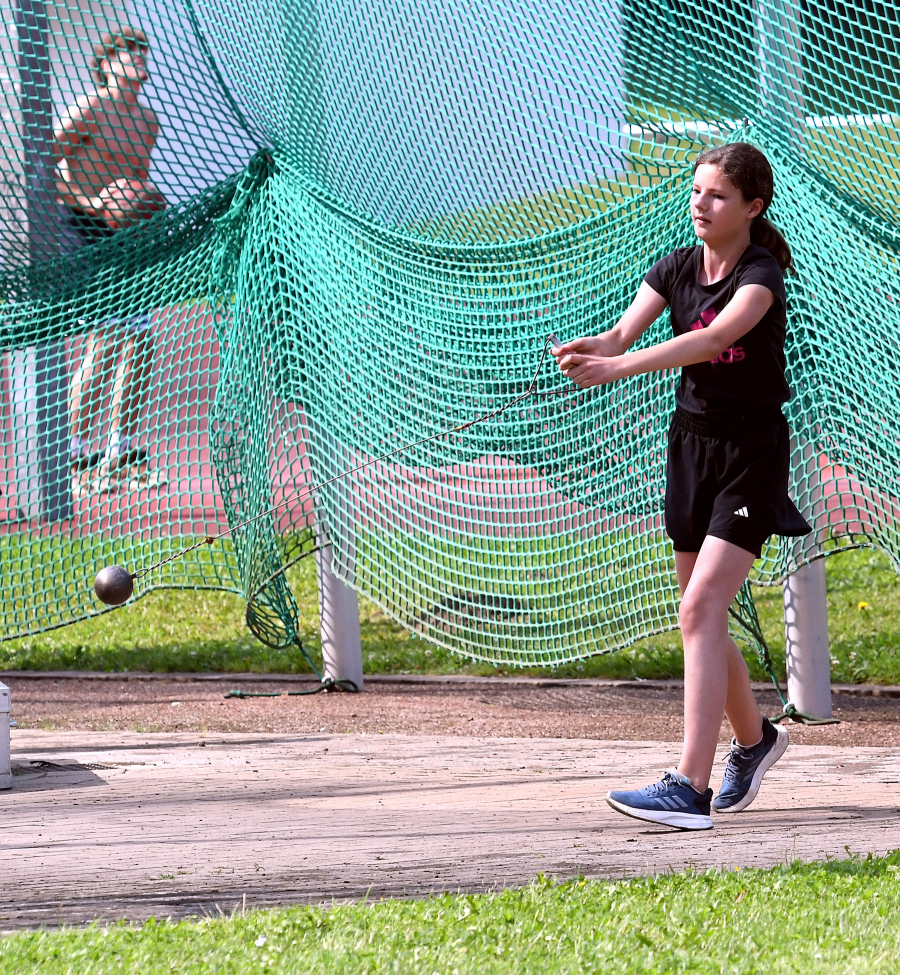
x: 345, y: 227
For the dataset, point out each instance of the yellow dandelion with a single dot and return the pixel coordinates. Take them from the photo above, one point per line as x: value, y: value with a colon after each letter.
x: 861, y: 605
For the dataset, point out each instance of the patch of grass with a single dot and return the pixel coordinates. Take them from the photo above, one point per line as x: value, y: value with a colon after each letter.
x: 47, y: 579
x: 835, y: 917
x: 863, y: 618
x: 196, y: 631
x: 863, y: 622
x: 523, y: 600
x: 173, y: 630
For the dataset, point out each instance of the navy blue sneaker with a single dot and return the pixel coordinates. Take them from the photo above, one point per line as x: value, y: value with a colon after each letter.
x: 747, y: 766
x: 672, y: 801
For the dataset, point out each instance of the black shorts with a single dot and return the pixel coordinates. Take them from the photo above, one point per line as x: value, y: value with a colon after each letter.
x: 729, y: 479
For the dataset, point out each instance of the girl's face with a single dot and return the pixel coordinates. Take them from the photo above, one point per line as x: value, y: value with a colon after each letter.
x: 718, y: 209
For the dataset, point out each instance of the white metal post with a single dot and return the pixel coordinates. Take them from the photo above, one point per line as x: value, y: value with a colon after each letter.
x: 5, y: 770
x: 27, y: 470
x: 807, y: 652
x: 779, y: 67
x: 806, y: 640
x: 778, y: 26
x: 49, y: 374
x: 339, y: 614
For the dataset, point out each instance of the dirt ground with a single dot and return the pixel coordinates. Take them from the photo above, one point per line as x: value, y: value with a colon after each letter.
x: 160, y: 796
x: 124, y: 825
x: 475, y: 707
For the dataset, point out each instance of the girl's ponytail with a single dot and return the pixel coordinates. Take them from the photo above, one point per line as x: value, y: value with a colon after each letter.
x: 766, y: 234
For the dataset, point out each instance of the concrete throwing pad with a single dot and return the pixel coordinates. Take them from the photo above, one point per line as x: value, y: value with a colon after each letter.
x: 112, y: 825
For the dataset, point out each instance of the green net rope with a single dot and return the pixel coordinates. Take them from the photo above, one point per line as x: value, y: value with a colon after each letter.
x: 374, y: 215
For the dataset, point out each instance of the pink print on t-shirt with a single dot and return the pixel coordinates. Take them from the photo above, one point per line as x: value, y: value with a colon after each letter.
x: 732, y: 354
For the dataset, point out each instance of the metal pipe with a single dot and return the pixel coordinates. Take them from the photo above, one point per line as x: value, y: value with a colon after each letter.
x: 339, y: 615
x: 43, y: 217
x: 779, y: 67
x: 806, y: 640
x: 5, y: 769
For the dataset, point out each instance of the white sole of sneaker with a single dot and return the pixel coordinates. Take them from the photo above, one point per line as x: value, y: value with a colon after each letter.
x: 776, y: 751
x: 675, y: 820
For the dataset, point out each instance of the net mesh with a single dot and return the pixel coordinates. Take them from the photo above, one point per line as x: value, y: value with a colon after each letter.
x: 252, y: 247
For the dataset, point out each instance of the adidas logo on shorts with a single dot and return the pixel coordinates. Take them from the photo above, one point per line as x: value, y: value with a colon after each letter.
x: 743, y: 512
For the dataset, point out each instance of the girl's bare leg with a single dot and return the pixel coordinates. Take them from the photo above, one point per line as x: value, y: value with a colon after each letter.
x: 716, y: 680
x: 741, y: 708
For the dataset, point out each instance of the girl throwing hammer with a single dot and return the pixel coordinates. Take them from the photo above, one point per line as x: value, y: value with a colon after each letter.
x: 727, y: 469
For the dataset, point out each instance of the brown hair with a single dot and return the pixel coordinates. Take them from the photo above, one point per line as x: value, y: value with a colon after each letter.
x: 125, y: 37
x: 749, y: 172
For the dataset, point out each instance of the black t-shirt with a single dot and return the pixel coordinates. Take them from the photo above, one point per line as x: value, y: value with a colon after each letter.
x: 748, y: 375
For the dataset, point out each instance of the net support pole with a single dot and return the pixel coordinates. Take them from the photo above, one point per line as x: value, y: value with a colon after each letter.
x: 807, y: 651
x: 44, y: 379
x: 5, y: 770
x: 339, y: 615
x: 779, y: 68
x: 26, y: 455
x: 778, y: 26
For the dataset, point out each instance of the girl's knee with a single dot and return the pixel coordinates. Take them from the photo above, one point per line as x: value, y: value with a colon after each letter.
x: 698, y: 613
x: 688, y: 615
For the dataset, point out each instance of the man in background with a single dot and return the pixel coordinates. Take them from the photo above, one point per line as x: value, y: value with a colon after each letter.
x: 103, y: 145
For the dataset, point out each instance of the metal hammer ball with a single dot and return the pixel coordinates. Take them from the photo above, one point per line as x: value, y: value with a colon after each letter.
x: 114, y: 585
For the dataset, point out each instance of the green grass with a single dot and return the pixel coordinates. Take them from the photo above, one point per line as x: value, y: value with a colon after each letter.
x: 863, y: 618
x: 176, y: 630
x: 835, y: 917
x: 44, y: 577
x: 522, y: 600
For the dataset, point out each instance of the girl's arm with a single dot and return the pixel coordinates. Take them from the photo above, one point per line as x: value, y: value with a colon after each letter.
x: 745, y: 309
x: 640, y: 315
